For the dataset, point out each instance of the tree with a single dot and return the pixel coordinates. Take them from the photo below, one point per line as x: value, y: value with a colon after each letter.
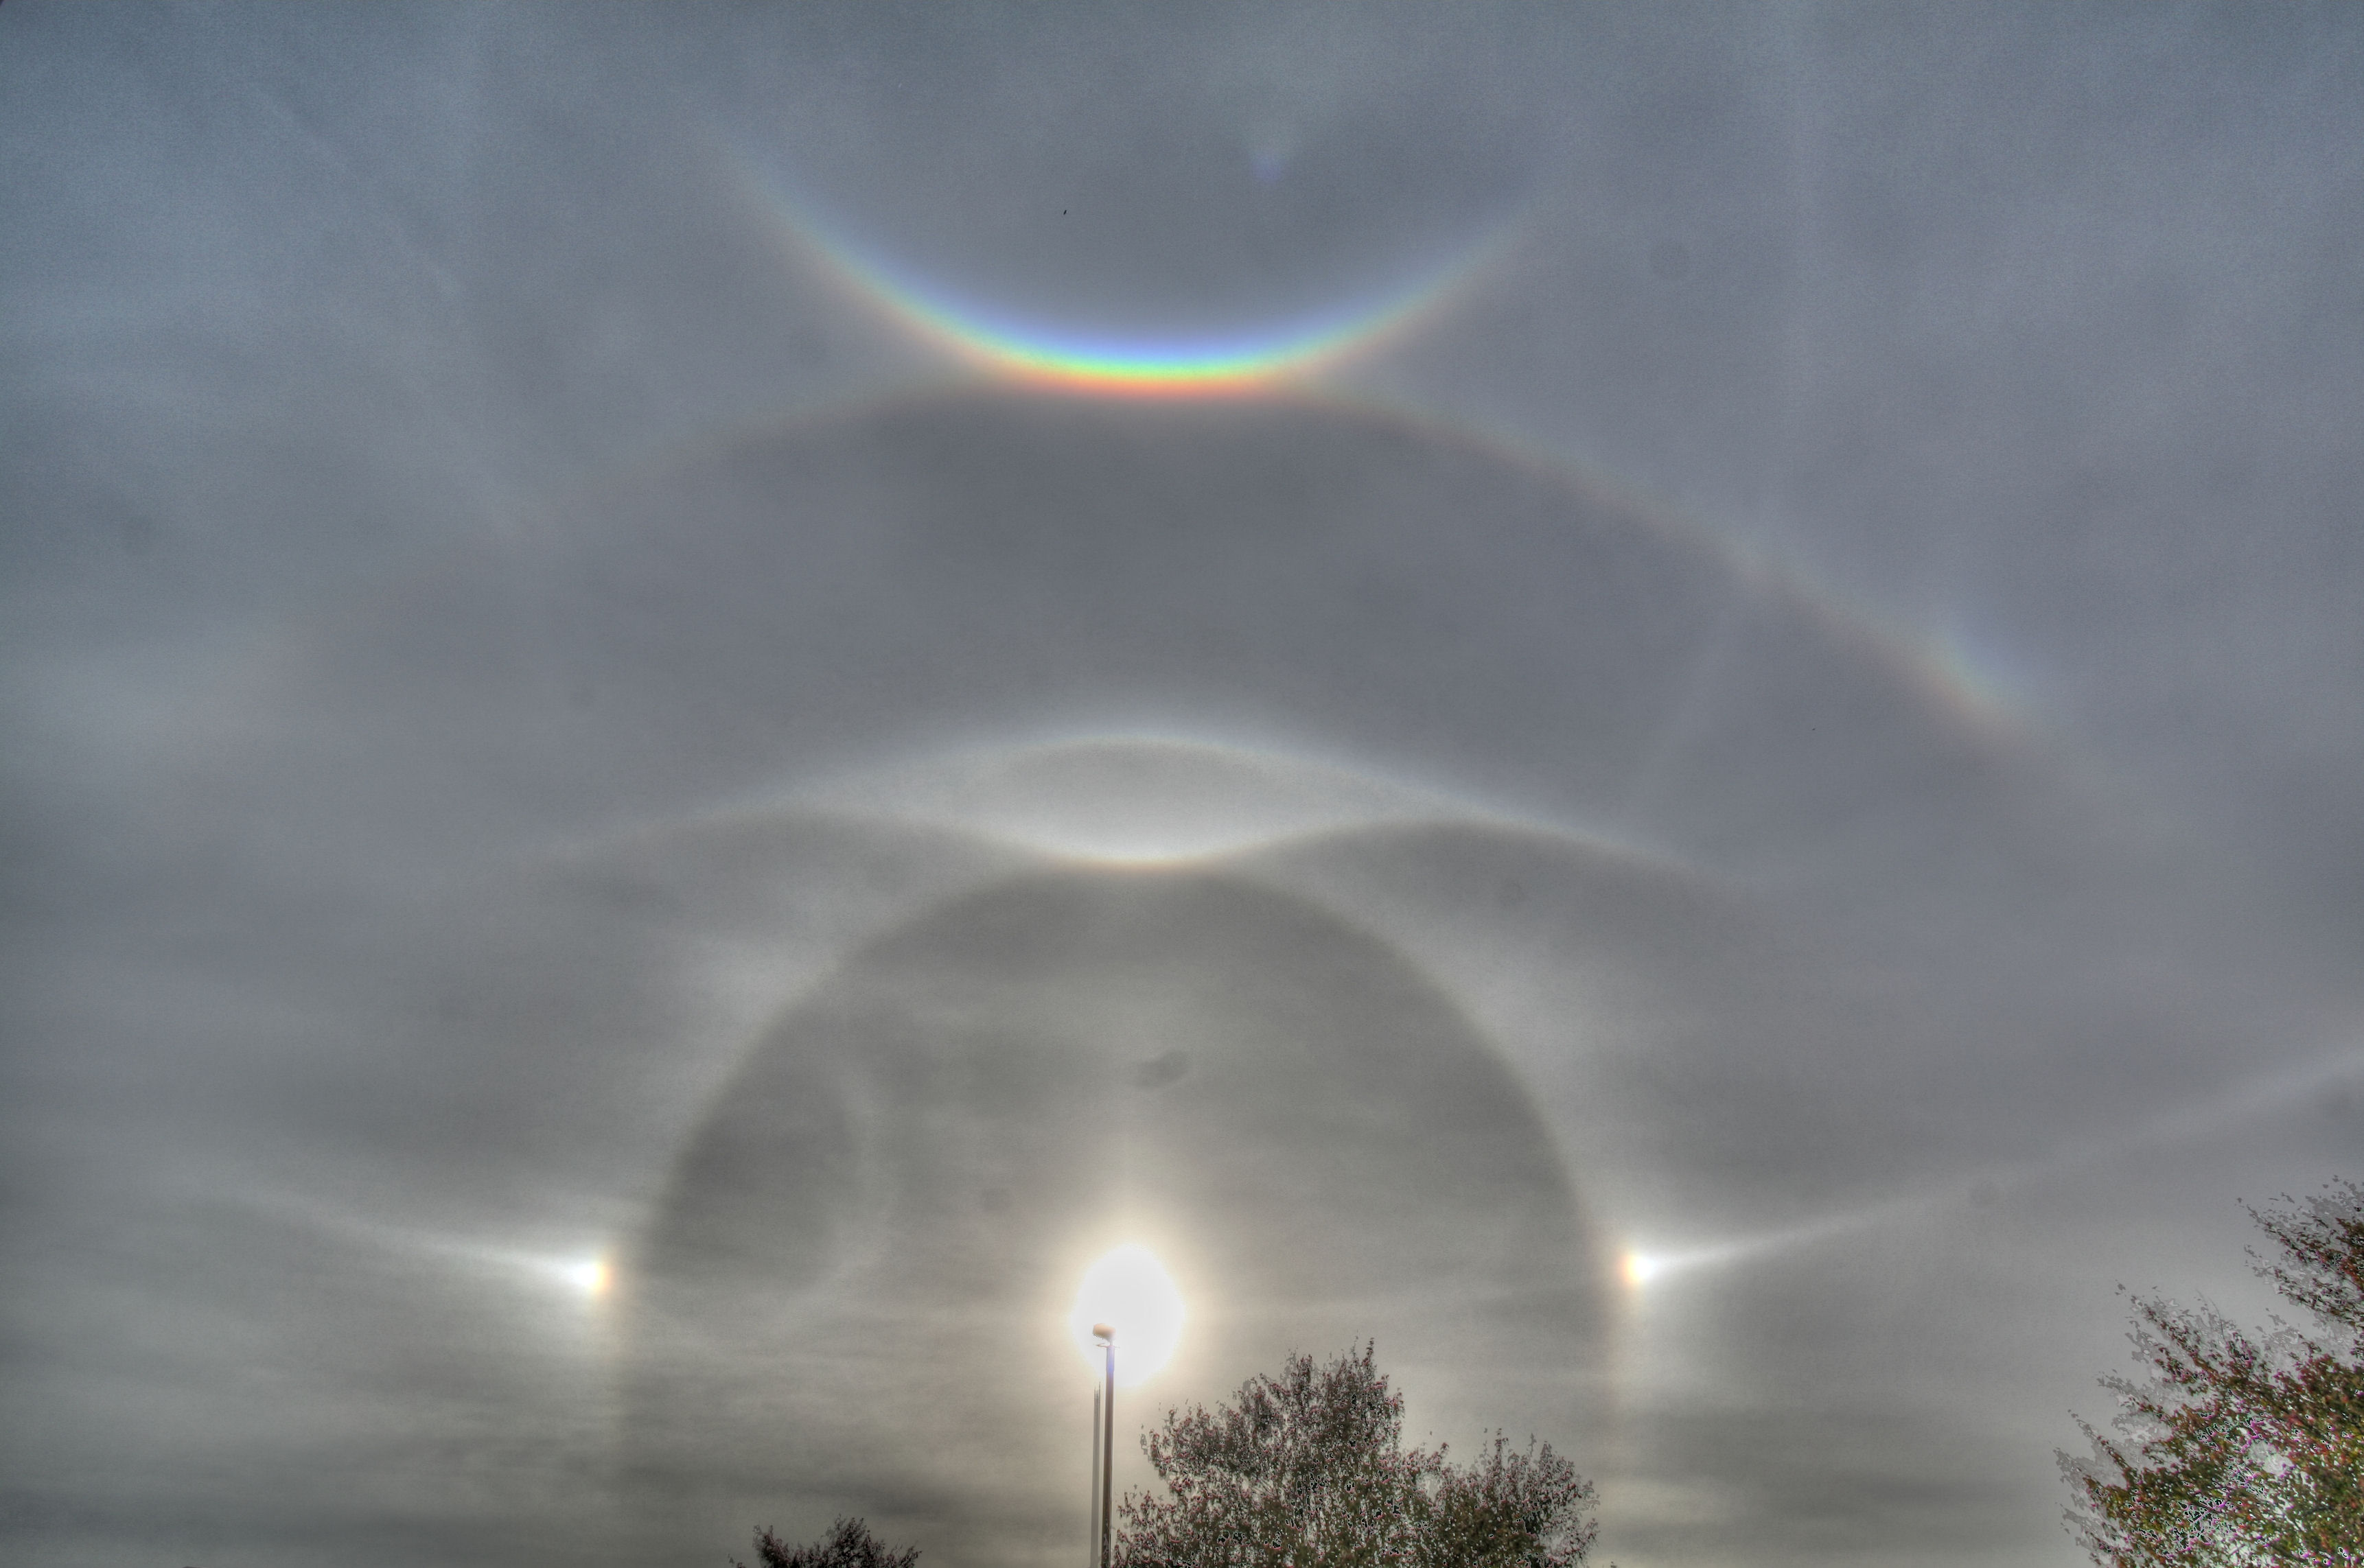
x: 2241, y: 1448
x: 849, y: 1544
x: 1308, y: 1470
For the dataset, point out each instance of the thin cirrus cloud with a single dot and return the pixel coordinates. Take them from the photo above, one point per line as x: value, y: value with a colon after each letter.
x: 696, y: 697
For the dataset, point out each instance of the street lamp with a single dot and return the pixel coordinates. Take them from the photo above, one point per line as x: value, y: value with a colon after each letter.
x: 1104, y: 1335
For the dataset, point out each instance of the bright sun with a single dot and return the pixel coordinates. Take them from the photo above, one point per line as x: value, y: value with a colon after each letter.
x: 1129, y: 1290
x: 591, y: 1276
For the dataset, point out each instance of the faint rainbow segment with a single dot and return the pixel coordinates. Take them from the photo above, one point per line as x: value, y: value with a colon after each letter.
x: 1036, y: 354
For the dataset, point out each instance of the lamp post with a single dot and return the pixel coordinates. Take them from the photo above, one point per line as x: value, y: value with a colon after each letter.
x: 1105, y: 1335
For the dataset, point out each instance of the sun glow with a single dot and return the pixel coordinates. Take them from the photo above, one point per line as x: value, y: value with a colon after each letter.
x: 1639, y: 1269
x: 590, y: 1276
x: 1131, y: 1291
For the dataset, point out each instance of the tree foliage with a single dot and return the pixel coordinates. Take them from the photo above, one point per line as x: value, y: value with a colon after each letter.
x: 2241, y: 1448
x: 847, y: 1544
x: 1308, y: 1470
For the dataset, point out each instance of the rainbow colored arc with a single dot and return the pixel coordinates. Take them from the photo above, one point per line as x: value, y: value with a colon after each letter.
x: 1107, y: 363
x: 1280, y: 355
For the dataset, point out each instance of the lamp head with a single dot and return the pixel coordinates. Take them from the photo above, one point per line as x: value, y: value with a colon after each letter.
x: 1104, y: 1332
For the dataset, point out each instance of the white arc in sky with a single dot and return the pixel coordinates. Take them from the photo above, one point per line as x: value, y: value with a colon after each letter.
x: 1129, y: 1290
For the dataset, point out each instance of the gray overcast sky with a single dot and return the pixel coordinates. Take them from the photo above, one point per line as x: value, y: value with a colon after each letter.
x: 630, y: 840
